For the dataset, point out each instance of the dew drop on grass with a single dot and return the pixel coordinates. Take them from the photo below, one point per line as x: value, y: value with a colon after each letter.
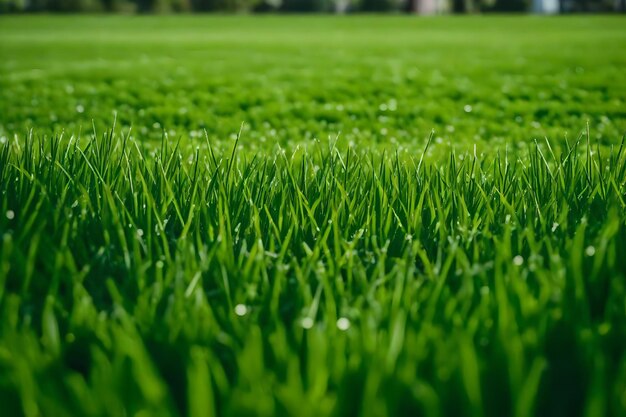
x: 241, y: 310
x: 159, y: 264
x: 590, y: 251
x: 80, y: 109
x: 467, y: 108
x: 518, y: 260
x: 343, y: 324
x: 307, y: 322
x: 140, y: 232
x: 10, y: 214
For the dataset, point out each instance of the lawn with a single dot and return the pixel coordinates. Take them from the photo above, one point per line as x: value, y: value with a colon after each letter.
x: 374, y: 79
x: 312, y: 216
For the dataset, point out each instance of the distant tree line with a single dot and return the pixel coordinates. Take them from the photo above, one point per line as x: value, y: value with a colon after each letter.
x: 296, y: 6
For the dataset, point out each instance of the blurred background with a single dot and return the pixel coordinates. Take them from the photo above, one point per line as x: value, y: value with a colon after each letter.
x: 424, y: 7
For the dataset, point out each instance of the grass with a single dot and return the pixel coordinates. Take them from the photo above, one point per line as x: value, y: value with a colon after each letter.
x: 374, y: 79
x: 199, y: 274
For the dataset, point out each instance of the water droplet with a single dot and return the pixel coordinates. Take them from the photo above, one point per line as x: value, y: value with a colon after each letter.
x: 241, y: 310
x: 307, y: 322
x: 467, y: 108
x: 80, y: 108
x: 343, y: 324
x: 518, y: 260
x: 590, y: 251
x: 10, y: 214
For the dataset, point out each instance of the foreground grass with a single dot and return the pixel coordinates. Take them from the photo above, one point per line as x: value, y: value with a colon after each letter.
x: 183, y: 281
x: 378, y: 80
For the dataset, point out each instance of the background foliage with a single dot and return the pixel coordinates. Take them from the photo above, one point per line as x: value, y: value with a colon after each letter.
x: 300, y: 6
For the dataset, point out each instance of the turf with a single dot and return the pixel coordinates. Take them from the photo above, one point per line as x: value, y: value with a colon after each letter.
x: 265, y: 270
x: 374, y: 79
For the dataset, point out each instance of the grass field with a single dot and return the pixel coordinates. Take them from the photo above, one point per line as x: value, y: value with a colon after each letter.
x: 375, y: 80
x: 332, y: 256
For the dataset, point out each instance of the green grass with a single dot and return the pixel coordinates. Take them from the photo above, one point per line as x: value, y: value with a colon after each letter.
x: 374, y: 79
x: 469, y: 272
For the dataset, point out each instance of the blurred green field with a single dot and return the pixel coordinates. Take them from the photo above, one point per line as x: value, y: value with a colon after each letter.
x: 377, y: 80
